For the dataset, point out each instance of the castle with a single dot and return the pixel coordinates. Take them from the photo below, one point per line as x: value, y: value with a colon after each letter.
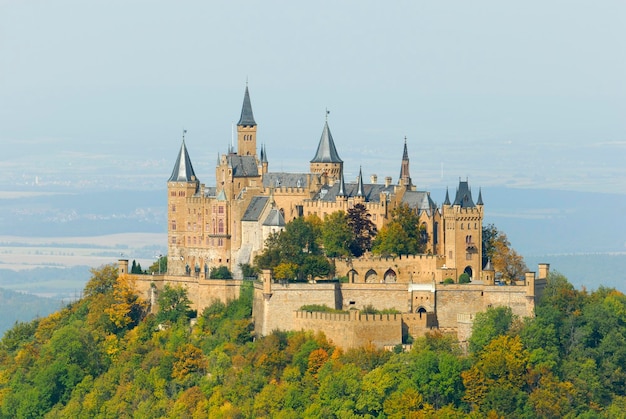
x: 227, y: 224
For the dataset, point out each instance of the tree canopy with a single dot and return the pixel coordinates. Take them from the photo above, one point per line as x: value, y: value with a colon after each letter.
x: 403, y: 235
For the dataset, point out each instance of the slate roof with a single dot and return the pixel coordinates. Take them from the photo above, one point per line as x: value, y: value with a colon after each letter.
x: 447, y: 200
x: 255, y: 208
x: 371, y: 192
x: 326, y: 151
x: 274, y: 219
x: 420, y: 200
x: 243, y: 166
x: 285, y: 180
x: 480, y: 197
x: 183, y: 170
x: 464, y: 196
x: 247, y: 118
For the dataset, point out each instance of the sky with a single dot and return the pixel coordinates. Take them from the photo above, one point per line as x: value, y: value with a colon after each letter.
x: 532, y: 94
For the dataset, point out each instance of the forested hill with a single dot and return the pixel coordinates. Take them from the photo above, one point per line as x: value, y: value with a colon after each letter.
x: 103, y: 356
x: 18, y: 306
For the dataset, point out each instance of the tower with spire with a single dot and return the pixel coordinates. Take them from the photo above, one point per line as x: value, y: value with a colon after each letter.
x: 327, y: 162
x: 405, y: 177
x: 246, y: 128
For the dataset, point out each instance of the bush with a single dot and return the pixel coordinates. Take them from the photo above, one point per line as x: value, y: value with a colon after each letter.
x: 464, y: 278
x: 322, y: 308
x: 220, y: 272
x: 448, y: 281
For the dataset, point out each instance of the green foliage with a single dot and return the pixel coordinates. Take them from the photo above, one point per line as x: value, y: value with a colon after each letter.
x: 488, y: 325
x: 295, y: 251
x: 159, y: 266
x: 173, y: 304
x: 248, y: 271
x: 369, y: 309
x: 507, y: 263
x: 566, y: 362
x: 321, y: 308
x: 337, y: 235
x: 221, y: 272
x: 448, y: 281
x: 403, y: 235
x: 464, y: 278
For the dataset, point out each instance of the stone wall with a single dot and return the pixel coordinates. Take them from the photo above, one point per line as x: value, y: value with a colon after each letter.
x: 354, y: 329
x: 403, y: 269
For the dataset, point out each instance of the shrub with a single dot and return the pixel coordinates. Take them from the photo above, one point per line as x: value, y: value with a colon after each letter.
x: 448, y: 281
x: 464, y: 278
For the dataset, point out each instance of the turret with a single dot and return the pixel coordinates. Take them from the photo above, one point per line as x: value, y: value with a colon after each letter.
x: 326, y: 160
x: 405, y: 177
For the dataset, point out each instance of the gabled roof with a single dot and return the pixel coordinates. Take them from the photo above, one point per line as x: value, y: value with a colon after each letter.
x: 326, y: 151
x: 255, y: 208
x: 183, y: 170
x: 285, y: 180
x: 464, y: 196
x: 419, y: 200
x: 243, y: 166
x: 274, y: 219
x: 247, y: 118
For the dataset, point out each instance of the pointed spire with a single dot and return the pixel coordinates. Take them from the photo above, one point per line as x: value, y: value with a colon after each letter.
x: 326, y: 151
x: 480, y: 197
x: 263, y: 154
x: 360, y: 189
x: 405, y: 155
x: 247, y: 118
x: 183, y: 170
x: 405, y: 177
x: 447, y: 200
x: 342, y: 186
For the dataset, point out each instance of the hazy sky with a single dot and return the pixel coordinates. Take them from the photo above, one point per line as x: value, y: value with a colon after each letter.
x: 524, y: 94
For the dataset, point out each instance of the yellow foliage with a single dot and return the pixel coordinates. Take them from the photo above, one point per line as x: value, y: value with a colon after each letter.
x: 126, y: 302
x: 189, y: 359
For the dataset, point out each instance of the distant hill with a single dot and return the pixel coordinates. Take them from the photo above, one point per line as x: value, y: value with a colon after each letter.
x: 18, y: 306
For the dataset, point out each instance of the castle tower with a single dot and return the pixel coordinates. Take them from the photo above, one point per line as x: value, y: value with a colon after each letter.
x: 181, y: 186
x: 326, y: 160
x: 462, y: 232
x: 246, y: 128
x: 405, y: 177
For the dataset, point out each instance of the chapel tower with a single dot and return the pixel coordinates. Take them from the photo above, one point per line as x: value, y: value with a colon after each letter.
x: 246, y: 129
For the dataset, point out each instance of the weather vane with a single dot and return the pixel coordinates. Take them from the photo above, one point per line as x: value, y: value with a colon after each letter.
x: 184, y: 132
x: 327, y: 112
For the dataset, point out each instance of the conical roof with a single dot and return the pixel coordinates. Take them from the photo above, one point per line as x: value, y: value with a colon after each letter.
x: 183, y: 170
x: 447, y: 200
x: 247, y: 118
x: 480, y: 197
x: 360, y: 190
x: 326, y: 151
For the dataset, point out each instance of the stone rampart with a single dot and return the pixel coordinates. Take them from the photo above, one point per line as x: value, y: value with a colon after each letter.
x: 402, y: 269
x: 354, y: 329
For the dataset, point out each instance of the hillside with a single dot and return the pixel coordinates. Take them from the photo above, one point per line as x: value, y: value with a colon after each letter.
x: 103, y: 356
x: 19, y: 307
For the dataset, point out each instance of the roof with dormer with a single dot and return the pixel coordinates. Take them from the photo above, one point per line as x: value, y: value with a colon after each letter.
x: 326, y: 151
x: 243, y: 166
x: 370, y: 192
x: 183, y: 170
x: 464, y: 196
x: 285, y: 180
x: 247, y: 118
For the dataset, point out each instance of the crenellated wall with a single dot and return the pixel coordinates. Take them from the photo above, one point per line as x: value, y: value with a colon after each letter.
x: 402, y: 269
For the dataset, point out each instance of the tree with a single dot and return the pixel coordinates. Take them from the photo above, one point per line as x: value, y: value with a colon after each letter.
x: 505, y: 260
x: 173, y: 304
x: 363, y: 229
x: 159, y: 266
x: 127, y: 308
x: 403, y: 235
x: 102, y: 280
x: 488, y: 325
x: 337, y: 235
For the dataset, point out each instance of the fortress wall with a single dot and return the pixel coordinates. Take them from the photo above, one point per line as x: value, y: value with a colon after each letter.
x: 412, y: 268
x: 418, y: 325
x: 275, y: 308
x: 201, y: 292
x: 379, y: 296
x: 353, y: 330
x: 455, y: 300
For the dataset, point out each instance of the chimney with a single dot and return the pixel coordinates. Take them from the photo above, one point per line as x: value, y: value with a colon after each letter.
x: 387, y: 181
x: 544, y: 270
x: 374, y: 178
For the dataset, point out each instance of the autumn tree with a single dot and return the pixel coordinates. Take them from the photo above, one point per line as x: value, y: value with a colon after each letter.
x: 173, y: 304
x: 507, y: 263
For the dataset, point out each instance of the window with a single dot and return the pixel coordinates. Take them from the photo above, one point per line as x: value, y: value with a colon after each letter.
x: 173, y: 208
x: 220, y: 210
x: 173, y: 240
x: 173, y: 224
x: 220, y: 227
